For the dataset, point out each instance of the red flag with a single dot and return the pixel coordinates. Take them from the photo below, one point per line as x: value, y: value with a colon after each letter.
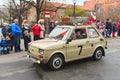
x: 93, y: 17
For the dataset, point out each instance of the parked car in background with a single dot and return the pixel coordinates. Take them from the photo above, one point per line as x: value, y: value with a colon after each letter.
x: 68, y: 43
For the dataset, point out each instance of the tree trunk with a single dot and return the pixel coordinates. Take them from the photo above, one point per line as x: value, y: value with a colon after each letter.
x: 20, y: 21
x: 38, y: 14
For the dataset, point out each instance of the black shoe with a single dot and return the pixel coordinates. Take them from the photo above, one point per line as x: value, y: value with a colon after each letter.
x: 11, y: 49
x: 8, y: 52
x: 20, y: 50
x: 16, y: 51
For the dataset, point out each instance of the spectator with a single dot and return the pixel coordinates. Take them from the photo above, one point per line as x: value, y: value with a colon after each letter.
x: 16, y: 33
x: 9, y: 33
x: 4, y: 29
x: 56, y: 23
x: 42, y: 32
x: 97, y: 24
x: 36, y: 31
x: 26, y: 33
x: 102, y: 28
x: 108, y: 27
x: 114, y: 29
x: 5, y: 45
x: 118, y: 26
x: 52, y: 25
x: 111, y: 27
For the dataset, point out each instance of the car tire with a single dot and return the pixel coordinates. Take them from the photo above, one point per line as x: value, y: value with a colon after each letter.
x: 56, y: 62
x: 98, y: 54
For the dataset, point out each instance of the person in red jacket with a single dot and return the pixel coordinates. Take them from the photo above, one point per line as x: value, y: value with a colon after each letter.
x: 36, y: 31
x: 118, y: 25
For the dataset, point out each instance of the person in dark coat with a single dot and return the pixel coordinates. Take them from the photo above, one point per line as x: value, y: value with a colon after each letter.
x: 26, y: 33
x: 4, y: 29
x: 109, y: 28
x: 114, y: 29
x: 52, y: 25
x: 9, y: 33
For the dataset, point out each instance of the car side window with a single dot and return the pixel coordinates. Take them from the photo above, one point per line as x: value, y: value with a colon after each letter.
x: 80, y: 33
x: 92, y: 33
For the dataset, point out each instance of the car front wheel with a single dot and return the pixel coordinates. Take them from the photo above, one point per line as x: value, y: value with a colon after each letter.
x: 56, y: 62
x: 98, y: 54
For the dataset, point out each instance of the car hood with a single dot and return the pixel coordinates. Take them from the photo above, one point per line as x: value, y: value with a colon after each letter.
x: 47, y: 44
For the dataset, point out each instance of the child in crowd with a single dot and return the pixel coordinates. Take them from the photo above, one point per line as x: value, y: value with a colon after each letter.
x: 5, y: 45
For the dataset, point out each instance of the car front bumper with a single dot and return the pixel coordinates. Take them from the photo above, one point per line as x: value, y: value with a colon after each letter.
x: 35, y: 60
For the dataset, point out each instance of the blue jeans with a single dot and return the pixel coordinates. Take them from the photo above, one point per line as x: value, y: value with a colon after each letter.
x: 16, y: 43
x: 3, y: 50
x: 107, y: 33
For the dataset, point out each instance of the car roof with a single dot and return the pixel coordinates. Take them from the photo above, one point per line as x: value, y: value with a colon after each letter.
x: 73, y: 27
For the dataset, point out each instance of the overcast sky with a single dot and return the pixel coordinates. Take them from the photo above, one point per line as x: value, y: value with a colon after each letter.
x: 79, y: 2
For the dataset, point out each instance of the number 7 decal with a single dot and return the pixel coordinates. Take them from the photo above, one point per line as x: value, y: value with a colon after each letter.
x: 80, y: 49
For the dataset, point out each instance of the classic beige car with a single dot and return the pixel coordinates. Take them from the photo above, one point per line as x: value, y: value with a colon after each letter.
x: 68, y: 43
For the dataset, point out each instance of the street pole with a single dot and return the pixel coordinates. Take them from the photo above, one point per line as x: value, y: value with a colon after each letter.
x: 74, y: 14
x: 47, y: 20
x: 74, y: 9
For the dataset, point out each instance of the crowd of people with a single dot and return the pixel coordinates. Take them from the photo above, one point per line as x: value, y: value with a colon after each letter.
x: 11, y: 34
x: 109, y: 28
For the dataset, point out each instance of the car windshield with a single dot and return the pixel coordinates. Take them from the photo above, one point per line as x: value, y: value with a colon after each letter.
x: 60, y: 33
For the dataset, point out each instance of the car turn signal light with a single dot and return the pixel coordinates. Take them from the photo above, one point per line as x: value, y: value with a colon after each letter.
x: 40, y: 56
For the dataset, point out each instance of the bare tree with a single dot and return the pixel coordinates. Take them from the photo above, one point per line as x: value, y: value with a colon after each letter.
x: 114, y: 12
x: 37, y: 5
x: 17, y: 9
x: 40, y: 6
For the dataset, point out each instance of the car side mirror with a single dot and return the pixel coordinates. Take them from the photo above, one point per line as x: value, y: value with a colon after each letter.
x: 69, y: 40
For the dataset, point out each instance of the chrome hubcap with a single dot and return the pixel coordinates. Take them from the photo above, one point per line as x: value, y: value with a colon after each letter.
x: 98, y: 54
x: 57, y: 62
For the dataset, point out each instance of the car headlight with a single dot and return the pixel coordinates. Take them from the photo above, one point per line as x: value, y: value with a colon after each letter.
x: 41, y: 51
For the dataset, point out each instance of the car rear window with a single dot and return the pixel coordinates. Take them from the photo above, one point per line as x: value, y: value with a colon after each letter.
x: 92, y: 33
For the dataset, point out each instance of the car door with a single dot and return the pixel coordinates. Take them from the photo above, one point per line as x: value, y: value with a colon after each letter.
x: 78, y: 48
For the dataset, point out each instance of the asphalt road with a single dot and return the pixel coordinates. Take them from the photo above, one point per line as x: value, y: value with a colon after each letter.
x: 86, y: 69
x: 16, y: 66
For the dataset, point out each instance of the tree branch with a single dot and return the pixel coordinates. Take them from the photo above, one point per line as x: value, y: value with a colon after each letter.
x: 30, y: 2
